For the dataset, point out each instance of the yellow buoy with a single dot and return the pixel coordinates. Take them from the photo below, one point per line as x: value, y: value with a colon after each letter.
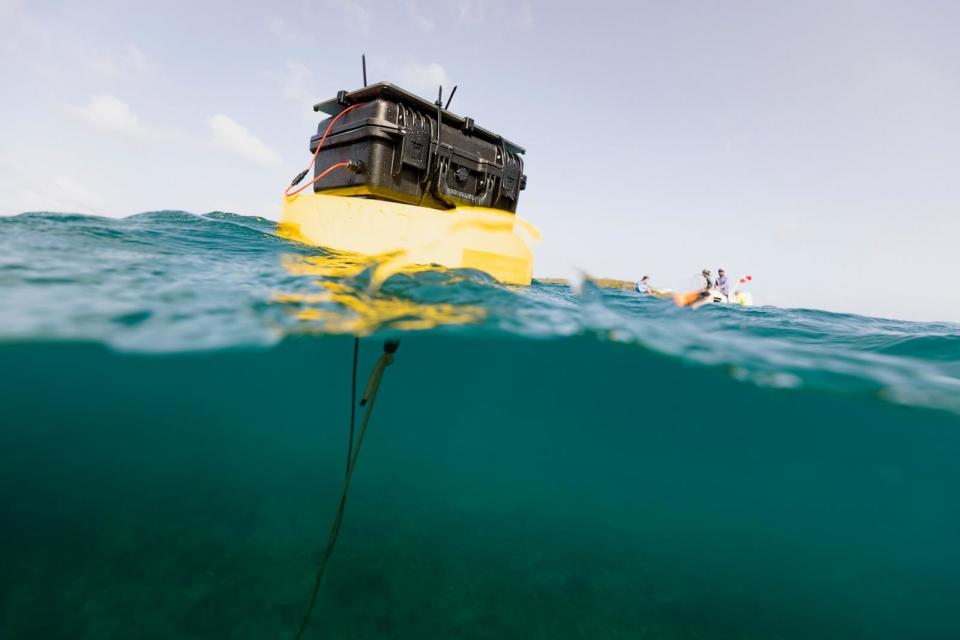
x: 404, y: 236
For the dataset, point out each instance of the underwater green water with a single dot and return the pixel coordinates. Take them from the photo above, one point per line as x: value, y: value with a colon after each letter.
x: 174, y: 411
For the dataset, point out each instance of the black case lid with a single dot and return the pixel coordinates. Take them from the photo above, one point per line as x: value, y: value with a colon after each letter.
x: 390, y: 91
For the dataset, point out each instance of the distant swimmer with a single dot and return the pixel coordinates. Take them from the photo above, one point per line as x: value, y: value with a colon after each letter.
x: 721, y: 283
x: 643, y: 286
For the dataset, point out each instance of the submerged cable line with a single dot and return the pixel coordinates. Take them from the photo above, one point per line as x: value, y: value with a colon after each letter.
x: 369, y: 398
x: 353, y: 399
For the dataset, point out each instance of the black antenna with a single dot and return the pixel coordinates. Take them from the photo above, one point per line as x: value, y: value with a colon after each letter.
x: 439, y: 104
x: 363, y: 59
x: 450, y: 99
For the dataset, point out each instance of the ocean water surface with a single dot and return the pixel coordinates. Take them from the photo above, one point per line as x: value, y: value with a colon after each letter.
x: 175, y: 401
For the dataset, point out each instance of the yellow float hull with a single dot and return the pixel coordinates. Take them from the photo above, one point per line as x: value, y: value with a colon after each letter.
x: 403, y: 235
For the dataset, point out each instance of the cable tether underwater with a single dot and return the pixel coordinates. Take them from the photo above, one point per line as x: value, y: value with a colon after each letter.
x: 353, y: 399
x: 369, y: 398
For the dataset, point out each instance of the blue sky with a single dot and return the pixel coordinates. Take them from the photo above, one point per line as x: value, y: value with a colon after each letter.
x: 813, y: 144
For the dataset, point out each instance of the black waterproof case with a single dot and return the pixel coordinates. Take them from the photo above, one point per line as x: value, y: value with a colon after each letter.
x: 410, y: 150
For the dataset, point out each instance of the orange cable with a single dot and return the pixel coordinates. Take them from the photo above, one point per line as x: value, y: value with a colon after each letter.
x: 323, y: 139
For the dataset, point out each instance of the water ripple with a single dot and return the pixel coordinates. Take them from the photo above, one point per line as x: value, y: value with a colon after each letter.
x: 173, y: 281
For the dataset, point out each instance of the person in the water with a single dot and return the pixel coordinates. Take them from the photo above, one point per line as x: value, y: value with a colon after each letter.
x: 644, y: 286
x: 721, y: 283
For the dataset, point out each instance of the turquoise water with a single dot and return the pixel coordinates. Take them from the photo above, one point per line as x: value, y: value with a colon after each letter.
x: 541, y: 463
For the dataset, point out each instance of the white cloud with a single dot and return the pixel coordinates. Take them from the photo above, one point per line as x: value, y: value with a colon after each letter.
x: 133, y: 59
x: 358, y: 17
x: 109, y: 114
x: 526, y: 16
x: 281, y: 30
x: 129, y: 60
x: 296, y: 82
x: 472, y: 10
x: 419, y: 18
x: 104, y: 66
x: 515, y: 15
x: 424, y: 78
x: 233, y: 137
x: 28, y: 189
x: 9, y: 8
x: 77, y: 196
